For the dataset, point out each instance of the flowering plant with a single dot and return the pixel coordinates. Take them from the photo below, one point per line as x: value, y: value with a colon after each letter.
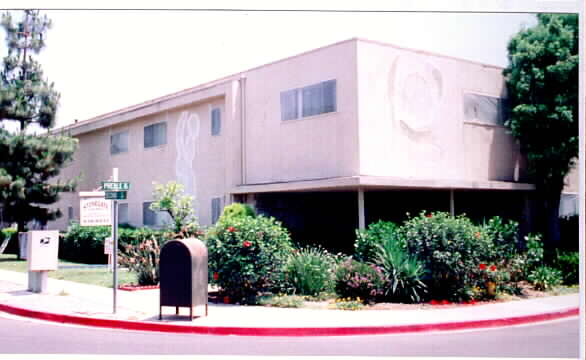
x: 489, y: 273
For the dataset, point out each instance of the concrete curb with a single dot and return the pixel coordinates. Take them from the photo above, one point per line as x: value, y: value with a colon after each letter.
x: 283, y: 331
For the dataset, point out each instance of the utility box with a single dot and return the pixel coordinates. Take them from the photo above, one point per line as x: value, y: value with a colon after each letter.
x: 42, y: 257
x: 183, y: 276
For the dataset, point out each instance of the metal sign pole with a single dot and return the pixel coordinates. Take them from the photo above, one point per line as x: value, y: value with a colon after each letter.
x: 115, y: 248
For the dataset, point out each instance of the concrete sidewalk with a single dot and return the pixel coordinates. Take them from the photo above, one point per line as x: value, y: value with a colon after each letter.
x: 85, y: 304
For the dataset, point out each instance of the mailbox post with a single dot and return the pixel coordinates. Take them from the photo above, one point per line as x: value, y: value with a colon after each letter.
x: 42, y: 253
x: 183, y: 271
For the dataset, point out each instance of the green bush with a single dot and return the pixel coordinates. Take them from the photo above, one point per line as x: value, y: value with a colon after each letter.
x: 450, y: 248
x: 367, y: 240
x: 403, y: 272
x: 504, y: 235
x: 310, y: 271
x: 237, y: 210
x: 247, y: 256
x: 355, y: 279
x: 534, y: 251
x: 568, y: 263
x: 545, y: 278
x: 84, y: 244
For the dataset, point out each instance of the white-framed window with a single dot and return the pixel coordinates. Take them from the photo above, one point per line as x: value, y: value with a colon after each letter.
x: 123, y: 213
x: 216, y: 209
x: 153, y: 218
x: 311, y: 100
x: 216, y: 116
x: 484, y: 109
x: 119, y: 143
x: 155, y: 134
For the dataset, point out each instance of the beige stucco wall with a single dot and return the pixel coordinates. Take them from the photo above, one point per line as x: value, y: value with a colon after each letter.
x: 314, y: 147
x: 411, y: 118
x: 191, y: 156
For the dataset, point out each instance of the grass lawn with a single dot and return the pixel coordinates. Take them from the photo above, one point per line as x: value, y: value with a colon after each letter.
x: 92, y: 276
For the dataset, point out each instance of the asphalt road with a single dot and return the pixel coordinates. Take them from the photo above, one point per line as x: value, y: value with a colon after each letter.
x: 553, y: 339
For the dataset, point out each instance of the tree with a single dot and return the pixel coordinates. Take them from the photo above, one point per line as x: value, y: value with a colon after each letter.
x: 169, y: 198
x: 542, y: 82
x: 29, y: 162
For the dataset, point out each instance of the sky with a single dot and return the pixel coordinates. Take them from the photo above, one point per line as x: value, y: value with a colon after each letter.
x: 104, y: 60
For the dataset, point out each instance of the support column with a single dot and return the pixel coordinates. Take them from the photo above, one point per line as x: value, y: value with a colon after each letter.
x: 361, y: 217
x: 452, y: 206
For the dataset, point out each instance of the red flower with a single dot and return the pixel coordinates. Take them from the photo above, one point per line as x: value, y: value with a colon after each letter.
x: 216, y: 276
x: 428, y: 215
x: 477, y: 234
x: 445, y: 302
x: 231, y: 229
x: 482, y: 266
x: 492, y: 268
x: 434, y: 302
x: 246, y: 244
x: 226, y: 300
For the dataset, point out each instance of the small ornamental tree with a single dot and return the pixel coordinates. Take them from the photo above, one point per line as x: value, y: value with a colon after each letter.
x: 542, y: 82
x: 29, y: 163
x: 169, y: 198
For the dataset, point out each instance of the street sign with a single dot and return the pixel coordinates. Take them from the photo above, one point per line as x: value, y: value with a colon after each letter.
x: 115, y: 195
x: 115, y: 186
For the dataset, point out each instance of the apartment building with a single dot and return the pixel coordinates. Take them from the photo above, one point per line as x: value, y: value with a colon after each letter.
x: 327, y: 141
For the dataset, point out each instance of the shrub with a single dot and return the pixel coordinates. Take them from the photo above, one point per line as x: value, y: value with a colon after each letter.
x: 403, y: 272
x: 504, y: 236
x: 237, y: 210
x: 568, y: 263
x: 281, y: 300
x: 310, y: 271
x: 349, y: 304
x: 247, y: 256
x: 84, y: 244
x: 545, y: 277
x: 534, y: 251
x: 450, y: 249
x: 355, y: 279
x: 367, y: 240
x: 143, y: 259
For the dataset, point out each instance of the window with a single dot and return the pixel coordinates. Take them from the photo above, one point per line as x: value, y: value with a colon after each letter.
x: 308, y: 101
x: 70, y: 213
x: 155, y: 135
x: 153, y: 218
x: 216, y: 209
x: 569, y: 205
x: 216, y: 121
x: 123, y: 213
x: 119, y: 143
x: 484, y: 109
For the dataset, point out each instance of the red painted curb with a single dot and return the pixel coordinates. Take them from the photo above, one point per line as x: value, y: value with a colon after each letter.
x: 295, y: 331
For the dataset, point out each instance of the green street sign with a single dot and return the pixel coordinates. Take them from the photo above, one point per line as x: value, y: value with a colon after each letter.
x: 115, y: 186
x: 115, y: 195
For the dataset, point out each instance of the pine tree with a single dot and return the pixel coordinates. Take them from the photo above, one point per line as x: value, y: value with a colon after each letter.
x: 542, y: 81
x: 29, y: 163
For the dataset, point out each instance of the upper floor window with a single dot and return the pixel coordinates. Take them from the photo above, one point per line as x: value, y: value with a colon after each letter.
x: 216, y: 209
x: 308, y: 101
x: 123, y: 213
x: 484, y: 109
x: 155, y: 135
x: 119, y: 143
x: 216, y: 121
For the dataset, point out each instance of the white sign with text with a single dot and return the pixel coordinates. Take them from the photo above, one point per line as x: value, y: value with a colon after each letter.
x: 95, y: 212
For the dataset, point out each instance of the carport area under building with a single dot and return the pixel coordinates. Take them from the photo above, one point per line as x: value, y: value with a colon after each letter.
x: 327, y: 212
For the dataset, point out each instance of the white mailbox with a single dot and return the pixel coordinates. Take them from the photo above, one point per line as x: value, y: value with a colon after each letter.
x: 43, y: 250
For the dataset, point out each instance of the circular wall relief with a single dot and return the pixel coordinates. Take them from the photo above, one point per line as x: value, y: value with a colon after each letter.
x: 415, y: 92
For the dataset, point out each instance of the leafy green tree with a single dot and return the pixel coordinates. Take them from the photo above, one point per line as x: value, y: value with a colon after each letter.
x: 169, y: 198
x: 28, y: 163
x: 542, y: 82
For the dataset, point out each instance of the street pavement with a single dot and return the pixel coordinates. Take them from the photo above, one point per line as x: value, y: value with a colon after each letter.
x: 69, y: 302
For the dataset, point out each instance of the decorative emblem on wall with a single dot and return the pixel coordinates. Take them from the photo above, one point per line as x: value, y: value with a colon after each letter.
x: 415, y: 89
x: 186, y: 135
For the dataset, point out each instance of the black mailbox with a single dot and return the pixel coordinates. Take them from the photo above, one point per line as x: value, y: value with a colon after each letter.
x: 183, y: 271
